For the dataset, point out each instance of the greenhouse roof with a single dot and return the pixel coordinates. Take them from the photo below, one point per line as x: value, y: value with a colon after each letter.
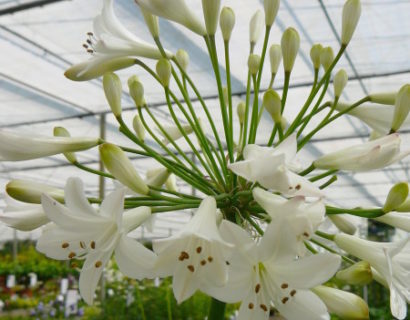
x: 39, y: 40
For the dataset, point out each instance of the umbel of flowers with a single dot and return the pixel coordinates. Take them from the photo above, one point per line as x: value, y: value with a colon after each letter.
x: 254, y: 237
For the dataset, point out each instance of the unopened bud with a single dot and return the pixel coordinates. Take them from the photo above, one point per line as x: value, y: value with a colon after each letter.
x: 164, y: 71
x: 343, y: 223
x: 139, y: 128
x: 339, y: 82
x: 171, y: 183
x: 344, y: 304
x: 326, y: 57
x: 272, y: 104
x: 315, y: 53
x: 157, y: 177
x: 182, y: 58
x: 241, y: 109
x: 118, y: 164
x: 397, y: 195
x: 275, y: 54
x: 253, y: 63
x: 152, y: 22
x: 113, y: 90
x: 290, y: 46
x: 30, y: 192
x: 358, y: 274
x: 227, y: 22
x: 284, y: 123
x: 404, y: 207
x: 62, y: 132
x: 271, y: 10
x: 401, y: 107
x: 136, y: 89
x: 256, y: 27
x: 132, y: 79
x: 387, y: 98
x: 211, y: 14
x: 351, y: 14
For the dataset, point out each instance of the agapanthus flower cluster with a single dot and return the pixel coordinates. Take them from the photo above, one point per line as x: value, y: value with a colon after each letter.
x: 257, y: 235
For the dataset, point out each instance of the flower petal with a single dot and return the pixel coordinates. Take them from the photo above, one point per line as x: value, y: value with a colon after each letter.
x: 75, y: 200
x: 113, y: 205
x: 184, y: 284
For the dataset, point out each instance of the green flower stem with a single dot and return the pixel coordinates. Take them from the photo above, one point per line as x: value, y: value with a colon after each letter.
x: 336, y: 116
x: 98, y: 172
x: 229, y: 87
x: 312, y: 95
x: 246, y: 120
x: 323, y: 175
x: 320, y: 109
x: 272, y: 136
x: 148, y: 203
x: 285, y: 90
x: 348, y: 260
x: 307, y: 170
x: 359, y: 212
x: 215, y: 65
x: 325, y: 235
x: 280, y: 131
x: 175, y: 193
x: 217, y: 310
x: 156, y: 195
x: 272, y: 80
x: 328, y: 182
x: 255, y: 110
x: 174, y: 208
x: 310, y: 248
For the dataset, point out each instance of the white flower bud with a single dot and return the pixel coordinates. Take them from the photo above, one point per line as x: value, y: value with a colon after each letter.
x: 284, y: 123
x: 401, y: 107
x: 182, y: 58
x: 211, y: 14
x: 256, y: 27
x: 315, y: 53
x: 271, y: 10
x: 171, y: 183
x: 397, y: 195
x: 387, y: 98
x: 339, y: 82
x: 157, y: 177
x: 351, y: 14
x: 253, y: 63
x: 272, y: 104
x: 358, y: 274
x: 344, y: 304
x: 164, y: 71
x: 227, y: 22
x: 62, y: 132
x: 326, y: 57
x: 118, y: 164
x: 138, y: 128
x: 343, y: 223
x: 152, y: 23
x: 132, y: 79
x: 30, y: 192
x: 136, y: 90
x: 290, y: 46
x: 404, y: 207
x: 241, y: 109
x: 275, y: 54
x: 113, y: 90
x: 400, y: 220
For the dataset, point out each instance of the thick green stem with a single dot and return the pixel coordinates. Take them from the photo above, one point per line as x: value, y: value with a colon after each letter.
x: 217, y: 310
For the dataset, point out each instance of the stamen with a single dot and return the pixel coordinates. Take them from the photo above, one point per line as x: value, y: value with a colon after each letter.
x: 285, y: 299
x: 250, y: 305
x: 306, y: 234
x: 184, y: 255
x: 65, y: 245
x: 82, y: 244
x: 71, y: 255
x: 264, y: 307
x: 90, y: 34
x: 85, y: 45
x: 292, y: 293
x: 92, y: 244
x: 257, y: 288
x: 227, y: 263
x: 284, y: 285
x: 74, y: 265
x: 98, y: 264
x: 198, y: 250
x: 203, y: 262
x: 298, y: 187
x: 191, y: 268
x: 90, y: 50
x: 210, y: 259
x: 89, y: 41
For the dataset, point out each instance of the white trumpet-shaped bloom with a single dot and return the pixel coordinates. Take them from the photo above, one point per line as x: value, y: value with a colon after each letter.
x: 273, y: 169
x: 304, y: 218
x: 22, y: 146
x: 82, y: 232
x: 370, y: 155
x: 23, y: 216
x: 390, y: 260
x: 174, y: 133
x: 111, y: 46
x: 399, y: 220
x: 196, y: 255
x: 267, y: 272
x: 174, y: 10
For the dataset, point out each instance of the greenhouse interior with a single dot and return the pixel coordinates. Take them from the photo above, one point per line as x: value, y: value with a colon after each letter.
x: 213, y: 159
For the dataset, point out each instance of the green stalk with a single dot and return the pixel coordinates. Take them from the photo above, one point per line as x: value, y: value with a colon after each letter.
x: 285, y: 90
x: 348, y: 260
x: 98, y: 172
x: 229, y: 87
x: 272, y: 136
x: 359, y: 212
x: 246, y: 120
x: 323, y: 175
x: 254, y: 118
x: 217, y: 310
x: 328, y: 182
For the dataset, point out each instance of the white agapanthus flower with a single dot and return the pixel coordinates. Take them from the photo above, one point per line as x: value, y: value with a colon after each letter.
x: 111, y: 45
x: 273, y: 168
x: 22, y: 146
x: 304, y: 218
x: 267, y: 272
x: 367, y: 156
x: 196, y: 255
x: 82, y: 232
x: 23, y: 216
x: 400, y: 220
x: 391, y: 260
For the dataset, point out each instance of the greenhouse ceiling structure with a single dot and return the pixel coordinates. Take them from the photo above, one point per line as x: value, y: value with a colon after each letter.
x: 40, y: 39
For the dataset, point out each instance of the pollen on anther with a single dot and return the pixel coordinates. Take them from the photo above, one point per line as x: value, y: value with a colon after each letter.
x: 198, y: 250
x: 257, y: 288
x: 298, y: 187
x: 85, y: 45
x: 65, y: 245
x: 82, y: 245
x: 98, y: 264
x: 210, y: 259
x: 285, y: 299
x: 92, y: 244
x: 90, y: 50
x: 306, y: 234
x: 264, y: 307
x: 74, y: 265
x: 71, y: 255
x: 191, y: 268
x: 90, y: 34
x: 292, y: 293
x: 250, y: 305
x: 284, y: 285
x: 184, y: 255
x: 203, y: 262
